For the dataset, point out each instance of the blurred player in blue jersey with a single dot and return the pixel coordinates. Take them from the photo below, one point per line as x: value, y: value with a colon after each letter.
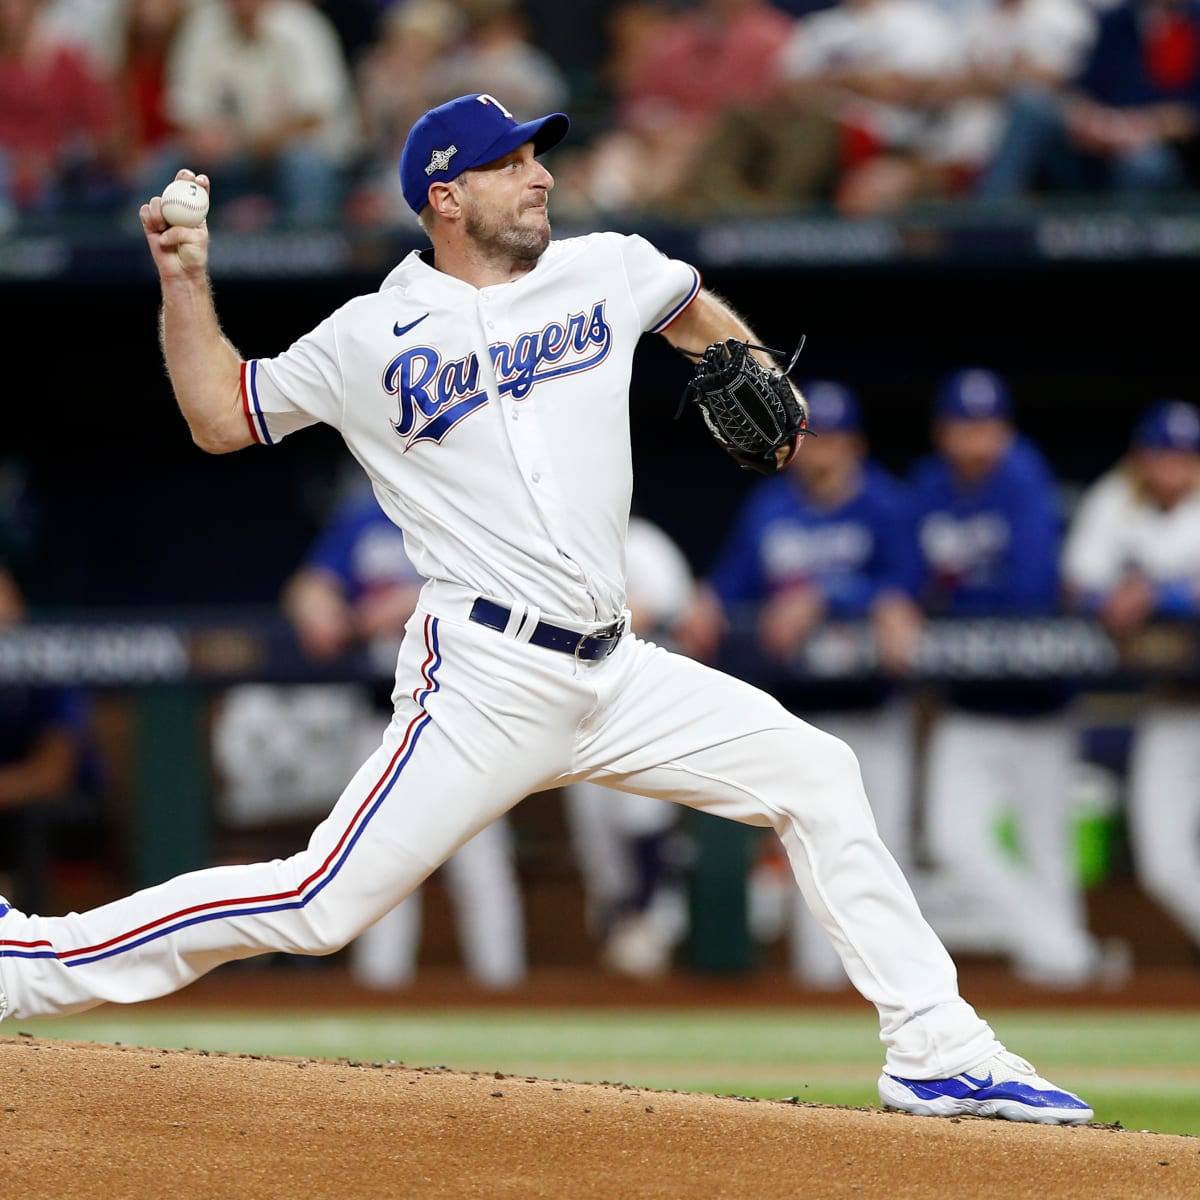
x: 831, y: 538
x: 988, y: 530
x: 356, y: 587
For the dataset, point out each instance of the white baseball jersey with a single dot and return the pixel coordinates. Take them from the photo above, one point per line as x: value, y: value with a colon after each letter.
x: 1117, y: 527
x: 493, y: 422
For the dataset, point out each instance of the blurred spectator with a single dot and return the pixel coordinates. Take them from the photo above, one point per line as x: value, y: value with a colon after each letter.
x: 673, y: 76
x: 988, y: 532
x: 829, y: 539
x: 92, y: 26
x: 498, y: 58
x: 1003, y: 46
x: 621, y: 839
x: 358, y: 587
x: 144, y: 127
x: 263, y: 99
x: 866, y: 64
x: 1133, y: 557
x: 57, y: 148
x: 1127, y: 124
x: 1010, y: 45
x: 399, y: 79
x: 852, y: 122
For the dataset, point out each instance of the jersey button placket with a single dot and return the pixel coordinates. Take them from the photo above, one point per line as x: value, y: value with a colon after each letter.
x: 524, y: 436
x: 518, y: 438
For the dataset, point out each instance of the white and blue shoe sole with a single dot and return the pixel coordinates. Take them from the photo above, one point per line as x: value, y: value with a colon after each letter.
x: 988, y: 1102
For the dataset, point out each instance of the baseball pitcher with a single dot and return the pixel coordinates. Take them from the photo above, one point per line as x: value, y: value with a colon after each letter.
x: 484, y: 390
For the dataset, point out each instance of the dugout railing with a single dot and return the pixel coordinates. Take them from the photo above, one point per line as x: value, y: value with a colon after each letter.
x: 169, y: 665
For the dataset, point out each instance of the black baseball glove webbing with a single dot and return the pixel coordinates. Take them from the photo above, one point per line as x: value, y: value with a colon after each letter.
x: 754, y: 413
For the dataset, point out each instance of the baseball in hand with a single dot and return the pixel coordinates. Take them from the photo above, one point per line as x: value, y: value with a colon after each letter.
x: 184, y: 202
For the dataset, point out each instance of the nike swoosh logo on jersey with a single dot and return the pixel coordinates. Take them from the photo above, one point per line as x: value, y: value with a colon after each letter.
x: 400, y: 330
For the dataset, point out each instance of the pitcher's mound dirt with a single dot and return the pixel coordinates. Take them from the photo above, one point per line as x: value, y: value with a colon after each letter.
x: 113, y: 1122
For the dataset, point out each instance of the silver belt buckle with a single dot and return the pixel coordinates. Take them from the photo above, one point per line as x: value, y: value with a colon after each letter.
x: 613, y: 632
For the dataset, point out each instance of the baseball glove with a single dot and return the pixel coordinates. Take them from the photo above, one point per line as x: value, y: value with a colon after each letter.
x: 754, y: 413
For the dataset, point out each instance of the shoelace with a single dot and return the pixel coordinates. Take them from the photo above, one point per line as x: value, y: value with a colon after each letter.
x: 1016, y: 1062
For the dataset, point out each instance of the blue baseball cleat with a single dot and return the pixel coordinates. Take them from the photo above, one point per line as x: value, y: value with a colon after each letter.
x: 1004, y: 1086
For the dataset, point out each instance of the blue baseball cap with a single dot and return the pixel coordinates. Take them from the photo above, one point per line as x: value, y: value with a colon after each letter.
x: 832, y: 407
x: 465, y: 133
x: 973, y: 395
x: 1169, y: 425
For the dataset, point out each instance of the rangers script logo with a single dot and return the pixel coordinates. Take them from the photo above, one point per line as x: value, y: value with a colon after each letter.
x: 436, y: 394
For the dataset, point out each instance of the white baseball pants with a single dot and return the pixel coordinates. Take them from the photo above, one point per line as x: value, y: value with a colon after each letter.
x: 1164, y: 810
x: 482, y: 720
x: 602, y: 824
x: 978, y: 768
x: 883, y: 740
x: 481, y: 879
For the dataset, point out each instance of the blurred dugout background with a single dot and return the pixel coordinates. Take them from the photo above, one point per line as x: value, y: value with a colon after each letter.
x: 887, y: 251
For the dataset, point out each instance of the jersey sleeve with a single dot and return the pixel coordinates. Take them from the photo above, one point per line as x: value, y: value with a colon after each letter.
x: 1094, y: 555
x: 298, y: 388
x: 661, y: 287
x: 1177, y: 598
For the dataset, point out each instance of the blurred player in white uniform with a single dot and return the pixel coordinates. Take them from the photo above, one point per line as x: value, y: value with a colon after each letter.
x: 621, y: 838
x: 485, y: 391
x: 1133, y: 556
x: 358, y: 585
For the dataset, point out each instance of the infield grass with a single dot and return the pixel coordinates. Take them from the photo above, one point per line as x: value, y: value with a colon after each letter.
x: 1141, y: 1069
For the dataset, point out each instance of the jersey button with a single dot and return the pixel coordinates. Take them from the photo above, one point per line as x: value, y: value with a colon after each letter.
x: 537, y: 477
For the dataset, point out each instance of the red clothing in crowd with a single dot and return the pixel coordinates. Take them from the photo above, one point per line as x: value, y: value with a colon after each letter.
x: 145, y: 89
x: 52, y: 104
x: 699, y: 65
